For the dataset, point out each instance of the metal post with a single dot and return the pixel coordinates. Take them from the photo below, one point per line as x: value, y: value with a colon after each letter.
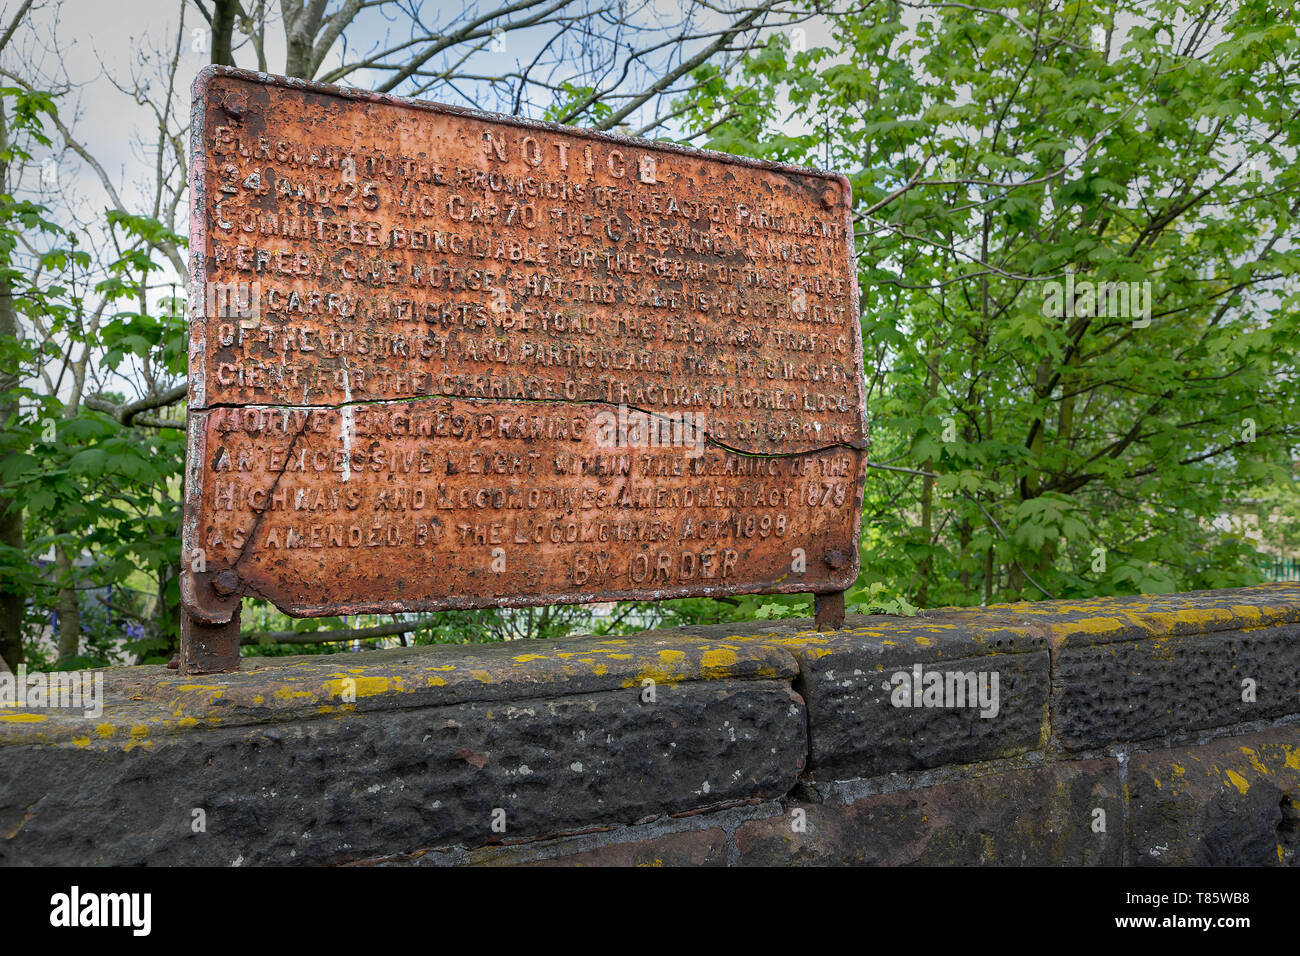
x: 828, y: 611
x: 209, y: 648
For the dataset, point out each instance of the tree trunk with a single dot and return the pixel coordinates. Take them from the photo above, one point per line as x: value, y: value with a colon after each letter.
x: 167, y: 618
x: 964, y: 534
x: 68, y: 608
x: 927, y: 503
x: 11, y: 512
x: 299, y: 34
x: 223, y: 29
x: 11, y: 602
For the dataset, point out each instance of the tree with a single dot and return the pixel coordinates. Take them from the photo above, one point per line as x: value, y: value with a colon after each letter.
x: 1035, y: 433
x: 588, y: 62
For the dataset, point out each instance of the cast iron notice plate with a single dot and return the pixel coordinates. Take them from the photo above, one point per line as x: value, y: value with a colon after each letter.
x: 444, y: 359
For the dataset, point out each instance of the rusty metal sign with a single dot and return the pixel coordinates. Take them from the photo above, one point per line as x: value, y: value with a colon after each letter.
x: 443, y: 359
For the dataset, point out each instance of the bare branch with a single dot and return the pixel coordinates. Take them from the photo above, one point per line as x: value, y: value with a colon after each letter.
x: 127, y: 412
x: 13, y: 24
x: 330, y: 637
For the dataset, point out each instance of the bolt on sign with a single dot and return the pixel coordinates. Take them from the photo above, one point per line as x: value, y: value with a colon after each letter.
x: 445, y: 359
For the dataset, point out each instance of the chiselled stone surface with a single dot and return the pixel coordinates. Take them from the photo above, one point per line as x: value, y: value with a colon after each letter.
x: 891, y: 695
x: 144, y: 703
x: 1152, y: 687
x: 366, y: 785
x: 1232, y: 802
x: 1021, y: 818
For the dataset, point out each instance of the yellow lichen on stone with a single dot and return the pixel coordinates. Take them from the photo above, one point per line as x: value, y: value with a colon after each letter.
x: 1254, y: 760
x: 1238, y: 781
x: 358, y: 686
x: 718, y: 659
x: 669, y: 670
x: 1093, y: 625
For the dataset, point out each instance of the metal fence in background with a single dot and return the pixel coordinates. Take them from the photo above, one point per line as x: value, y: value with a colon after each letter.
x: 1279, y: 568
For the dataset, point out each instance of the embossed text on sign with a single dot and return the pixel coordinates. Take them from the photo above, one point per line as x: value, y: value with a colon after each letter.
x: 442, y: 359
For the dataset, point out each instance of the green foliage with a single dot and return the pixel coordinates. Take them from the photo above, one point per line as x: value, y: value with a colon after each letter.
x: 85, y: 484
x: 772, y: 610
x: 574, y: 98
x: 1069, y: 453
x: 876, y: 598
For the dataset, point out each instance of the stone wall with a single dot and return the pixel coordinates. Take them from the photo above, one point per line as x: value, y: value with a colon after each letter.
x: 1138, y: 731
